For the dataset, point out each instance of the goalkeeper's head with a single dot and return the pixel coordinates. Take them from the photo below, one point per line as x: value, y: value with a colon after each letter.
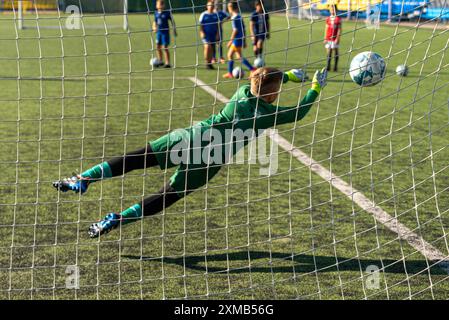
x: 266, y: 83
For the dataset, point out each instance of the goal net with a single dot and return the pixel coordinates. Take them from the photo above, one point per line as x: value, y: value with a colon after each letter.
x: 351, y: 202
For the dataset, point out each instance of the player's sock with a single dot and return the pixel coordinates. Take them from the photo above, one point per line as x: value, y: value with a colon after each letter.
x: 214, y: 51
x: 220, y: 49
x: 336, y: 62
x: 260, y: 52
x: 163, y: 199
x: 247, y: 64
x: 100, y: 171
x: 151, y: 205
x: 131, y: 214
x: 230, y: 66
x: 329, y: 58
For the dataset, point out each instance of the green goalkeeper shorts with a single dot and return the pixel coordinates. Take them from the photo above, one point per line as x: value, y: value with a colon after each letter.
x: 177, y: 149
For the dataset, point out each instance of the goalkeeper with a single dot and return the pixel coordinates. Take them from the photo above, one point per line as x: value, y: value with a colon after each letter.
x: 250, y: 108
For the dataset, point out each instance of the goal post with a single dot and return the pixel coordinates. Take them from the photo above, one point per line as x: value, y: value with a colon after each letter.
x: 20, y: 15
x: 125, y: 15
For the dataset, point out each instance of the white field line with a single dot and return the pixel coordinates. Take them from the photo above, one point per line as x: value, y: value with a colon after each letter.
x: 403, y: 232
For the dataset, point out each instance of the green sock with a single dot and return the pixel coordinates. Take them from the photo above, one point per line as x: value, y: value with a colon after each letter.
x: 131, y: 214
x: 100, y: 171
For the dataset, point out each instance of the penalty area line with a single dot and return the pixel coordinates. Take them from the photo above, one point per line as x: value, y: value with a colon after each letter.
x: 354, y: 195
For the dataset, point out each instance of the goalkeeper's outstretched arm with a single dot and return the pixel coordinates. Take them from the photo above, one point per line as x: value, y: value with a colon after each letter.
x: 296, y: 113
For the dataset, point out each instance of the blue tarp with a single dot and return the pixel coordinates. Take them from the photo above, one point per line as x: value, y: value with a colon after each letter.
x: 403, y: 7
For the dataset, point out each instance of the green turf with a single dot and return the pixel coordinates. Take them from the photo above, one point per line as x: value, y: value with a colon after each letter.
x: 70, y: 102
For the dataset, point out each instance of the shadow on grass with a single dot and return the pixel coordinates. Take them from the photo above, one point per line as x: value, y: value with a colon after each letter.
x: 302, y: 263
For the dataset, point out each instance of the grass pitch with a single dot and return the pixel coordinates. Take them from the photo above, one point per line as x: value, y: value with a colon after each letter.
x: 70, y: 102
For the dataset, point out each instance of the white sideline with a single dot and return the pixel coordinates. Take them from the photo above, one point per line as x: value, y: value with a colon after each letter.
x: 403, y: 232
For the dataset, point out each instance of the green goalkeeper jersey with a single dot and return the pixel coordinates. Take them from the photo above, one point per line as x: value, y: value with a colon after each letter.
x: 203, y: 148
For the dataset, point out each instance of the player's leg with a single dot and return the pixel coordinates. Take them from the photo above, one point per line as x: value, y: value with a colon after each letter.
x: 245, y: 62
x: 336, y: 59
x: 208, y: 47
x: 167, y: 57
x: 205, y: 52
x: 151, y: 205
x: 260, y: 43
x: 213, y: 49
x: 220, y: 50
x: 329, y: 57
x: 139, y: 159
x: 230, y: 56
x: 214, y: 53
x: 166, y: 51
x: 159, y: 54
x: 255, y: 48
x: 185, y: 180
x: 210, y: 54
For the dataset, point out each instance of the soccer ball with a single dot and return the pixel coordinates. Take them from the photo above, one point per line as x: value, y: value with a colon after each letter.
x: 402, y: 70
x: 155, y: 61
x: 367, y: 69
x: 237, y: 73
x: 259, y: 63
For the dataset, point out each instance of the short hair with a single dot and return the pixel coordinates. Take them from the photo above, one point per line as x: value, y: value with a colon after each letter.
x: 234, y: 5
x: 258, y: 3
x: 265, y: 81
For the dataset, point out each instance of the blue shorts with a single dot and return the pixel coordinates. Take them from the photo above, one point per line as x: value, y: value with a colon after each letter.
x: 163, y: 38
x: 209, y: 38
x: 238, y: 43
x: 260, y: 37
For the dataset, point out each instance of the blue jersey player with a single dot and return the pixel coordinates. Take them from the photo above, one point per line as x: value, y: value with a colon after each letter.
x: 162, y: 30
x: 209, y: 25
x: 222, y: 16
x: 237, y: 41
x: 260, y: 28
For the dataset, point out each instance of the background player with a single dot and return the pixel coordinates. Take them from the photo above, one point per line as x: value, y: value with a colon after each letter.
x: 209, y: 23
x: 250, y: 108
x: 259, y: 28
x: 222, y: 16
x: 332, y: 35
x: 237, y: 41
x: 162, y: 30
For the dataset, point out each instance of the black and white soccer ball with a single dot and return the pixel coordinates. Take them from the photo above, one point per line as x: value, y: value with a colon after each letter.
x: 237, y: 73
x: 259, y: 63
x: 402, y: 70
x: 155, y: 62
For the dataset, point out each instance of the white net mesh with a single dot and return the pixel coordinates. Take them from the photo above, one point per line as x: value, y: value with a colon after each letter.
x: 355, y: 206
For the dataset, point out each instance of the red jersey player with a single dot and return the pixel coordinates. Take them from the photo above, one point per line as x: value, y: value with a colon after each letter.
x: 332, y: 36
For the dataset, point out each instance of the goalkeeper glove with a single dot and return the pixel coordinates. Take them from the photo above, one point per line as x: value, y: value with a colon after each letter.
x: 295, y: 75
x: 319, y: 80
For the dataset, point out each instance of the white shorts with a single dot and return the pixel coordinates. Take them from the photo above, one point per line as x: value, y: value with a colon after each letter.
x: 331, y: 45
